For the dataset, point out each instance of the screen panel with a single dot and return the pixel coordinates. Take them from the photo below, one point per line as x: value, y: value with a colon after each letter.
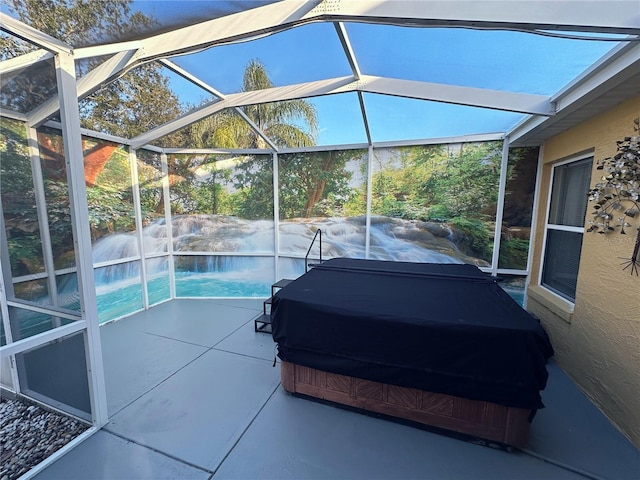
x: 158, y: 280
x: 435, y: 203
x: 518, y: 208
x: 118, y: 290
x: 19, y: 207
x: 222, y: 203
x: 56, y: 373
x: 223, y: 276
x: 327, y: 191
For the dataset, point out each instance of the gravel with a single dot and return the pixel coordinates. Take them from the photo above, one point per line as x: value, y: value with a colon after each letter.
x: 29, y: 434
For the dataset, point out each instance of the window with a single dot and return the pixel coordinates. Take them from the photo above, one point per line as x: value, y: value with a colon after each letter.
x: 565, y: 227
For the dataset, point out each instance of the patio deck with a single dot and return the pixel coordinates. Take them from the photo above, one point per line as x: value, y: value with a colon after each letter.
x: 192, y: 394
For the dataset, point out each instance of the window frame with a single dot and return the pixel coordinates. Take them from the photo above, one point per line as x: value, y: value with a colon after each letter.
x: 556, y: 227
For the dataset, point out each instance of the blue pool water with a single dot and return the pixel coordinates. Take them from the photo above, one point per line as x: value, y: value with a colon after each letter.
x: 119, y: 302
x: 115, y: 303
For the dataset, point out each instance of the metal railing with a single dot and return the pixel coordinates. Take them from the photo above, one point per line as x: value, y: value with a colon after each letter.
x: 306, y: 257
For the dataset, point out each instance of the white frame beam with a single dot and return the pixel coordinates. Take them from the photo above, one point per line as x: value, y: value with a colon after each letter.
x: 365, y: 120
x: 275, y: 94
x: 515, y: 102
x: 612, y: 16
x: 70, y: 119
x: 107, y: 71
x: 108, y: 49
x: 193, y: 79
x: 43, y: 220
x: 175, y: 68
x: 21, y: 30
x: 276, y: 216
x: 470, y: 96
x: 24, y: 61
x: 40, y: 339
x: 502, y: 187
x: 242, y: 26
x: 5, y: 265
x: 348, y: 49
x: 164, y: 163
x: 137, y: 207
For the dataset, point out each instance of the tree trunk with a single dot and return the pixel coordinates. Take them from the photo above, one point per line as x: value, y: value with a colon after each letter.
x: 95, y: 160
x: 315, y: 195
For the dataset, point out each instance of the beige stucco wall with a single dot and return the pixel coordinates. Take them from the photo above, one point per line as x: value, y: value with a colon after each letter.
x: 597, y: 341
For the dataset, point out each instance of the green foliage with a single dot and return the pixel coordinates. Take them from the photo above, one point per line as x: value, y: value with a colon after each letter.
x: 81, y: 22
x: 150, y: 180
x: 356, y: 203
x: 189, y: 193
x: 19, y: 204
x: 18, y: 200
x: 14, y: 160
x: 116, y: 174
x: 476, y: 236
x: 287, y: 124
x: 253, y: 180
x: 109, y: 211
x: 132, y: 105
x: 468, y: 186
x: 431, y: 183
x: 308, y: 186
x: 59, y: 219
x: 514, y: 253
x: 212, y: 196
x: 439, y: 213
x: 401, y: 187
x: 25, y: 254
x: 314, y: 184
x: 453, y: 184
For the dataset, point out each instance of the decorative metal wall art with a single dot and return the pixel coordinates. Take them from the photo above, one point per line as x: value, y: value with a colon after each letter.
x: 616, y: 196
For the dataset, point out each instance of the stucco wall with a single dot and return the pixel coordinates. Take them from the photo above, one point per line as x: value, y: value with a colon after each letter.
x: 597, y: 341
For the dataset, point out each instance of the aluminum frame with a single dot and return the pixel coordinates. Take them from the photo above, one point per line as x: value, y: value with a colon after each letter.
x: 65, y: 74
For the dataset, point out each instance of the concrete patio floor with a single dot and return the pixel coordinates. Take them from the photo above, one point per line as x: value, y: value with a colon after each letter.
x: 193, y: 394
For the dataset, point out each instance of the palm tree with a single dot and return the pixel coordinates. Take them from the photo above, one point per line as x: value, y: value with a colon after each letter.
x: 279, y: 121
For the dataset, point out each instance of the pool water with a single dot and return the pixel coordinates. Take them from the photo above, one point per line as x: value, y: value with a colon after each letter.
x: 115, y: 301
x: 119, y: 302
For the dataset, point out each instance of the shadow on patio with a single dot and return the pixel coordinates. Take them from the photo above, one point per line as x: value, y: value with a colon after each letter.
x: 192, y: 394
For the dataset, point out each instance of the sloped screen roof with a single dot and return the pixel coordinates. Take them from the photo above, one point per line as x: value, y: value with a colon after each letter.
x: 396, y: 78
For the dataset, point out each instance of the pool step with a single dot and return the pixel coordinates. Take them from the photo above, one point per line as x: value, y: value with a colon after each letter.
x: 263, y: 322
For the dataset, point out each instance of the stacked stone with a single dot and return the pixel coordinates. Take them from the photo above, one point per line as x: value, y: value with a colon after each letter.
x: 29, y: 434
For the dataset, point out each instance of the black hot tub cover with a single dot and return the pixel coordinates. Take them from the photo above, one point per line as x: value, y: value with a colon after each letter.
x: 446, y: 328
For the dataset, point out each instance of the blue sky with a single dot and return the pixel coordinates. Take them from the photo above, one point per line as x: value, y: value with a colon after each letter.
x: 496, y: 60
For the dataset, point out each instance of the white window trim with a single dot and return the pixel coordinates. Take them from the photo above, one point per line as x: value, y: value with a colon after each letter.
x: 566, y: 228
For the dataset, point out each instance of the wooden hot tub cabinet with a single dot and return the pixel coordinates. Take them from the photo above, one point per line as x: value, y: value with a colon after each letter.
x: 485, y: 420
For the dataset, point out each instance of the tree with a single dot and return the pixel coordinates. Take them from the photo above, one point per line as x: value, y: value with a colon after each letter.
x: 401, y: 187
x: 132, y: 105
x: 128, y: 106
x: 469, y: 185
x: 276, y: 120
x: 281, y: 123
x: 307, y: 180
